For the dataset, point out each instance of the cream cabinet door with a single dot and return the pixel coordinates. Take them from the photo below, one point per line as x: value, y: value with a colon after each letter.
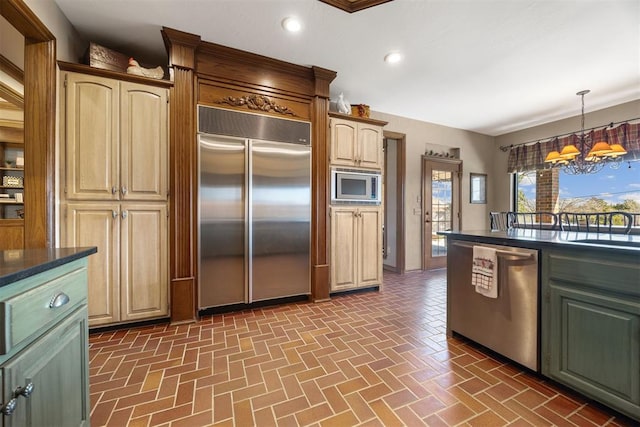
x: 143, y: 142
x: 369, y: 146
x: 369, y: 262
x: 356, y: 144
x: 91, y: 148
x: 343, y: 142
x: 343, y: 248
x: 144, y: 261
x: 98, y: 224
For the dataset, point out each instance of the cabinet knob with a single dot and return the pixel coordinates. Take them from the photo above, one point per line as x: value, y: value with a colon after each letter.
x: 10, y: 407
x: 123, y: 190
x: 25, y: 391
x: 114, y: 214
x: 58, y: 300
x: 114, y: 189
x: 124, y: 214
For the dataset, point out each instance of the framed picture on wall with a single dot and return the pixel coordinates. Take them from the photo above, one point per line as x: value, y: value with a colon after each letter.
x: 478, y: 190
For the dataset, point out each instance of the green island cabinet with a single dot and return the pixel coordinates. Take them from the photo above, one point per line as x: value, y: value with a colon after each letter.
x: 44, y: 347
x: 591, y: 324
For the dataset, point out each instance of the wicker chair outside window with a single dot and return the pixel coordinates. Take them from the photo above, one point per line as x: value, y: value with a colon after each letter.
x: 536, y: 220
x: 600, y: 222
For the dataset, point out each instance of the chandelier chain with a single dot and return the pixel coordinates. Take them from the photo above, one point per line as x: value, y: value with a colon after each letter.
x: 582, y: 121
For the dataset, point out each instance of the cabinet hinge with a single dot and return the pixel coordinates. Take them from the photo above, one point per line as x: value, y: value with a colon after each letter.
x: 65, y: 80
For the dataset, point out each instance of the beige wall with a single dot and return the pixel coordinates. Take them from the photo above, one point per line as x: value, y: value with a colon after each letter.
x: 11, y: 47
x: 502, y: 187
x: 476, y: 152
x: 11, y: 43
x: 69, y: 45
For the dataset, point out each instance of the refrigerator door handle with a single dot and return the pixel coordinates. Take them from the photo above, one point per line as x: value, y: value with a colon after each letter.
x: 249, y: 223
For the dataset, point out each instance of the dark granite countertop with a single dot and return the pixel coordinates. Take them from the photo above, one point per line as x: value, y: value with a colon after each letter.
x: 539, y: 239
x: 19, y: 264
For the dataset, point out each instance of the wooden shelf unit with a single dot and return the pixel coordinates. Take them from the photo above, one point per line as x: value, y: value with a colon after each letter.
x: 10, y: 149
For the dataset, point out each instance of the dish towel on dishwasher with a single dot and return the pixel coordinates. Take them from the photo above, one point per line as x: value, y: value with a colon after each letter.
x: 484, y: 272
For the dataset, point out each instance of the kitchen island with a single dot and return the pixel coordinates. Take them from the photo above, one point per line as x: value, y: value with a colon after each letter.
x: 44, y: 337
x: 584, y: 308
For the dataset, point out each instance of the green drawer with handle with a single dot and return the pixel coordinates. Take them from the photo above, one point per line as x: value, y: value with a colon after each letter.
x: 40, y: 307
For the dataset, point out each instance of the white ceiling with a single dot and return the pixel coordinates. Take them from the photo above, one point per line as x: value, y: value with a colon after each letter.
x: 490, y: 66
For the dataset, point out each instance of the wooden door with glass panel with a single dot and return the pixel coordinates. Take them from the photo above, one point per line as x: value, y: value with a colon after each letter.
x: 441, y: 208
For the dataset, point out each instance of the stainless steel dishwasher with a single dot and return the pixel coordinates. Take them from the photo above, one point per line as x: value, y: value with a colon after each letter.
x: 507, y: 324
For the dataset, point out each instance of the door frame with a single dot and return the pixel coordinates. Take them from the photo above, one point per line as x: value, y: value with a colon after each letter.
x: 401, y: 144
x: 426, y: 204
x: 40, y: 87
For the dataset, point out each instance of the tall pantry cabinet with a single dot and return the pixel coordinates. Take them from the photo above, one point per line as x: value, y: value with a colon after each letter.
x: 114, y: 191
x: 356, y: 228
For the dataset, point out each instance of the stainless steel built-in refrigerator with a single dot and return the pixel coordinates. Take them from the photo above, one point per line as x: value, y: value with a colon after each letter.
x: 255, y: 208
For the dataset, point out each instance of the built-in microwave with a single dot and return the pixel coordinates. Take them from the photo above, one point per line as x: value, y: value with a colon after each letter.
x: 355, y: 186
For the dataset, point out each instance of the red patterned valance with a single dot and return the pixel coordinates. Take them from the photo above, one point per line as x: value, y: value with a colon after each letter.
x: 528, y: 157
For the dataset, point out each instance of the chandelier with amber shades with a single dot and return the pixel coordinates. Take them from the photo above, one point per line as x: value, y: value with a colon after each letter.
x: 585, y: 155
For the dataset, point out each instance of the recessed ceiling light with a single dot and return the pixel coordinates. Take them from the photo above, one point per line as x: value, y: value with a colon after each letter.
x: 291, y: 24
x: 393, y: 57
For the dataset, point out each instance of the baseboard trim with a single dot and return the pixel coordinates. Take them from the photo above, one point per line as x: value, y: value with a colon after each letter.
x: 129, y: 325
x: 355, y: 291
x: 242, y: 306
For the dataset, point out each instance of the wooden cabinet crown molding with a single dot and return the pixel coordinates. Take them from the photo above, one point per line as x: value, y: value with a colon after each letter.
x: 222, y: 63
x: 358, y: 119
x: 181, y: 47
x: 323, y: 79
x: 85, y: 69
x: 242, y: 57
